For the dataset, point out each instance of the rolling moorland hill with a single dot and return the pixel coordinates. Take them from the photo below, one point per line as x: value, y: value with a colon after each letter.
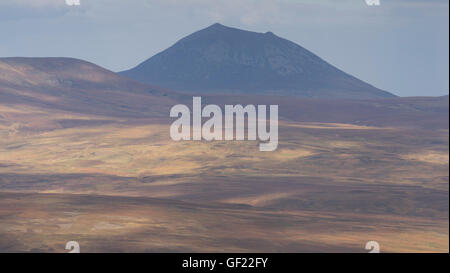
x: 74, y: 85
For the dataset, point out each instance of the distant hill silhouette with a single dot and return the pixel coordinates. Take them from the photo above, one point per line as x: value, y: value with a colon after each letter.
x: 61, y: 85
x: 221, y: 59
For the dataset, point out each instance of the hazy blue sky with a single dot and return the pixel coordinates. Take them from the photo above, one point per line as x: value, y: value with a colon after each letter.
x: 401, y: 46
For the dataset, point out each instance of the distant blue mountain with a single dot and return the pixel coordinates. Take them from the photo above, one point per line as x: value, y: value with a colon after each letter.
x: 220, y: 59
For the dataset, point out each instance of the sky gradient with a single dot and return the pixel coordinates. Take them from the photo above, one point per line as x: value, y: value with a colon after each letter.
x: 401, y: 46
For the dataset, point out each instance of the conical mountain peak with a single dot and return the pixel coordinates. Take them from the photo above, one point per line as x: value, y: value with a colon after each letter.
x: 222, y: 59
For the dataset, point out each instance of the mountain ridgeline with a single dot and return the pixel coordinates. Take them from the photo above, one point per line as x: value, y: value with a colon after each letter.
x: 221, y: 59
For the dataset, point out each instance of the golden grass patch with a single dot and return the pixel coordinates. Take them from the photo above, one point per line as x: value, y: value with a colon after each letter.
x: 439, y: 158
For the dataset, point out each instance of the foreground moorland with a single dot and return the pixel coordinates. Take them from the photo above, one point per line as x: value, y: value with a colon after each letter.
x: 79, y: 166
x: 125, y: 186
